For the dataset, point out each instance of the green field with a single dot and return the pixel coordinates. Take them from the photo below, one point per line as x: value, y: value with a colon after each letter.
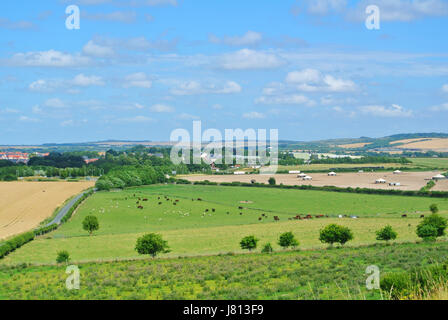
x: 320, y: 274
x: 191, y: 231
x: 440, y: 163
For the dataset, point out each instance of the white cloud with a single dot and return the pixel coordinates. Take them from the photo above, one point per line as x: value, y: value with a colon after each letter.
x: 442, y: 107
x: 382, y: 111
x: 95, y: 50
x: 445, y: 88
x: 137, y: 80
x: 51, y: 58
x: 304, y: 76
x: 291, y: 99
x: 249, y: 59
x: 54, y: 103
x: 85, y: 81
x: 187, y: 116
x: 195, y: 87
x: 137, y: 119
x: 250, y: 38
x: 161, y: 108
x: 311, y: 80
x: 254, y: 115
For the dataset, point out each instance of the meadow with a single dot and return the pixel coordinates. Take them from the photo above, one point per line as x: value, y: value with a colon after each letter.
x: 215, y: 224
x: 317, y: 274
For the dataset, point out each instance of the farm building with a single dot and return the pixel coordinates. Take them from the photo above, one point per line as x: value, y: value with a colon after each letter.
x: 438, y: 177
x: 380, y: 181
x: 332, y: 174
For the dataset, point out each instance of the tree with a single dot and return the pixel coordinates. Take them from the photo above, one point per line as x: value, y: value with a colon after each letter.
x: 434, y: 208
x: 427, y: 232
x: 437, y: 222
x: 63, y: 257
x: 151, y: 244
x: 272, y: 181
x: 249, y: 243
x: 267, y: 248
x: 287, y: 240
x: 386, y: 234
x: 334, y: 233
x: 90, y: 224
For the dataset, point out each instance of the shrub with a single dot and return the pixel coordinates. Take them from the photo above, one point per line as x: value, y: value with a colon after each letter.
x: 436, y: 221
x: 151, y: 244
x: 249, y: 243
x: 267, y: 248
x: 90, y: 224
x: 63, y: 257
x: 427, y: 232
x: 287, y: 240
x: 334, y: 233
x: 272, y: 182
x: 386, y: 234
x: 396, y: 284
x: 433, y: 208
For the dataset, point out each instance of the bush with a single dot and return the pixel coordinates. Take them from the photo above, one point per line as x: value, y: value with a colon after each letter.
x: 249, y: 243
x: 386, y: 234
x: 334, y: 233
x: 396, y: 285
x: 90, y: 224
x: 267, y: 248
x: 63, y: 257
x: 436, y: 221
x: 287, y: 240
x: 151, y: 244
x: 272, y: 182
x: 15, y: 243
x: 433, y: 208
x: 427, y: 232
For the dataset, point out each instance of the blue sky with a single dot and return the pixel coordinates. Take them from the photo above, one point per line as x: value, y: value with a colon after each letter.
x: 139, y: 69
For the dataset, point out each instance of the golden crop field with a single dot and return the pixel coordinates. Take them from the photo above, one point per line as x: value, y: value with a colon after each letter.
x: 24, y: 205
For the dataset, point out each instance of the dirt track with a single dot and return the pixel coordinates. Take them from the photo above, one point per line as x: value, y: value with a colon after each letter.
x: 23, y: 205
x: 408, y: 180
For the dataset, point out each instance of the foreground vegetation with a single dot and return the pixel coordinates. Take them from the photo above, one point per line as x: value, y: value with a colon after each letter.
x: 320, y: 274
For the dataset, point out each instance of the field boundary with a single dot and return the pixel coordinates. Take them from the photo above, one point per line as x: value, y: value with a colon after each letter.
x: 409, y: 193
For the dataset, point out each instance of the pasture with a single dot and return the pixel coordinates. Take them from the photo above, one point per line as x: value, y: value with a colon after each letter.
x: 24, y: 205
x: 216, y: 223
x: 318, y: 274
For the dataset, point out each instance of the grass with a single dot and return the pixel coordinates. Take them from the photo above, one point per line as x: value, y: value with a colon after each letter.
x: 319, y: 274
x: 440, y: 163
x: 192, y: 231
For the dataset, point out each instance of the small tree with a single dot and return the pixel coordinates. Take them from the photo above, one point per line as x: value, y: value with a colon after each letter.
x: 90, y: 224
x: 436, y: 221
x: 287, y: 240
x: 151, y: 244
x: 272, y: 181
x: 434, y: 208
x: 427, y: 232
x: 386, y: 234
x: 334, y: 233
x: 63, y: 257
x: 267, y: 248
x: 249, y: 243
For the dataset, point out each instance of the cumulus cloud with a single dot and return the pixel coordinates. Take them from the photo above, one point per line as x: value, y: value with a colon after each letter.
x: 312, y: 80
x: 387, y: 112
x: 137, y: 80
x: 85, y: 81
x: 249, y: 59
x: 51, y: 58
x: 254, y: 115
x: 195, y: 87
x: 81, y: 80
x: 161, y: 108
x: 54, y: 103
x: 16, y: 25
x: 250, y: 38
x: 95, y: 50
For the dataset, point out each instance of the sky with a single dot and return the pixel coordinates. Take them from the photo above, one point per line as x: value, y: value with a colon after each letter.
x: 138, y: 69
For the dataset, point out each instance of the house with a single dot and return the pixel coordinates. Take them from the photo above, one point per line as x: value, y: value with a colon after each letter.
x: 239, y: 173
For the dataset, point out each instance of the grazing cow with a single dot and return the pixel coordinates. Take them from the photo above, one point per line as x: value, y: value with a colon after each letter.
x: 140, y: 207
x: 177, y: 200
x: 422, y: 216
x: 276, y: 218
x: 213, y: 210
x: 206, y: 210
x: 263, y: 215
x: 160, y: 203
x: 138, y: 202
x: 259, y: 219
x: 174, y: 204
x: 199, y: 199
x: 241, y: 213
x: 404, y: 216
x: 309, y: 217
x: 240, y: 208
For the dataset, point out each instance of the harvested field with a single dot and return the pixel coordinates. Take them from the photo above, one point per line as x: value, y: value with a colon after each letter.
x: 354, y: 145
x: 439, y: 145
x: 23, y: 205
x: 408, y: 180
x: 441, y: 185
